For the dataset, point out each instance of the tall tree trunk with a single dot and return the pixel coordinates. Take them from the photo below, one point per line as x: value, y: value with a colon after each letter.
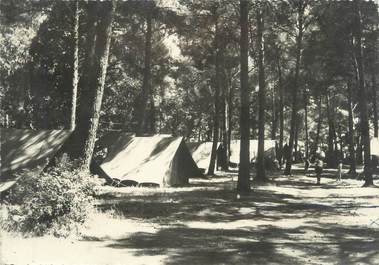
x: 318, y: 130
x: 260, y: 166
x: 341, y: 144
x: 230, y: 111
x: 359, y: 156
x: 217, y: 83
x: 296, y: 140
x: 146, y: 83
x: 331, y: 134
x: 225, y: 109
x: 152, y: 114
x: 281, y: 110
x: 92, y: 86
x: 274, y: 118
x: 374, y: 105
x: 365, y: 131
x: 75, y: 77
x: 351, y: 130
x: 299, y: 41
x: 306, y: 124
x: 243, y: 184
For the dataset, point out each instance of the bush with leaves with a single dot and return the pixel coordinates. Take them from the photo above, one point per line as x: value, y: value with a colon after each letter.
x: 55, y: 202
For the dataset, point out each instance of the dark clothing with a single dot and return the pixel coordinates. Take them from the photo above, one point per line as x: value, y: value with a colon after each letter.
x: 221, y: 162
x: 318, y: 170
x: 306, y: 165
x: 286, y: 152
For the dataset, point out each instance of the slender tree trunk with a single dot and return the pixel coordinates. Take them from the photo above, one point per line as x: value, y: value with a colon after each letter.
x: 274, y: 118
x: 212, y: 163
x: 295, y: 145
x: 299, y: 40
x: 374, y: 105
x: 225, y: 130
x: 243, y: 184
x: 92, y: 87
x: 365, y: 131
x: 318, y: 131
x: 341, y: 144
x: 306, y: 124
x: 261, y: 172
x: 331, y: 135
x: 359, y: 155
x: 152, y: 115
x: 230, y: 111
x: 75, y: 77
x: 351, y: 131
x: 281, y: 110
x: 146, y: 83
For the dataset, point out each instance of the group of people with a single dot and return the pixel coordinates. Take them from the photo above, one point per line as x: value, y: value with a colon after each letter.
x: 318, y: 164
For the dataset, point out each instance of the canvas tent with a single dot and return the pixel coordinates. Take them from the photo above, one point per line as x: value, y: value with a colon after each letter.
x: 374, y: 146
x: 25, y: 151
x: 235, y: 150
x: 158, y: 159
x: 201, y: 153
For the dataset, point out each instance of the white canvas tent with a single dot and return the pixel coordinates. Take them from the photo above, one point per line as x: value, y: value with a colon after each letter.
x: 158, y: 159
x: 374, y: 146
x: 25, y: 151
x: 201, y: 153
x: 235, y: 150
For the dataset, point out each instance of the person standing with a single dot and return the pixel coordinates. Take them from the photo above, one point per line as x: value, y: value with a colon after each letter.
x: 319, y: 168
x: 339, y: 176
x: 286, y: 153
x: 306, y: 165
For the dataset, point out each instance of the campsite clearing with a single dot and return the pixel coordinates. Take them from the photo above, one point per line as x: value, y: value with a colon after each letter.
x: 290, y: 221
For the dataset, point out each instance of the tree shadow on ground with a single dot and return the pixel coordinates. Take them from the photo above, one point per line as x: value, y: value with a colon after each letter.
x: 261, y: 245
x: 216, y: 246
x: 213, y: 226
x: 215, y: 206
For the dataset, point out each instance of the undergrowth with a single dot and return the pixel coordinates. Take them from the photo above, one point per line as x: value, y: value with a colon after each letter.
x: 55, y: 202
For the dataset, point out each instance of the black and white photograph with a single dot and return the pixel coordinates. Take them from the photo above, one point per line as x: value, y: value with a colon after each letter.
x: 199, y: 132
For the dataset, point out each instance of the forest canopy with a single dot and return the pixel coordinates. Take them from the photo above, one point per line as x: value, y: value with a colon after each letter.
x: 175, y: 67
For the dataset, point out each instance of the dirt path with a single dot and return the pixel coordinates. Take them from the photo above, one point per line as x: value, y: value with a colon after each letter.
x: 291, y: 221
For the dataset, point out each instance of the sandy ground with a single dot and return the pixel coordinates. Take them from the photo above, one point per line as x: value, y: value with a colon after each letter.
x: 290, y: 221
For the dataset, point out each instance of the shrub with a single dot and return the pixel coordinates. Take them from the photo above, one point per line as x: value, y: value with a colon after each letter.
x: 55, y: 202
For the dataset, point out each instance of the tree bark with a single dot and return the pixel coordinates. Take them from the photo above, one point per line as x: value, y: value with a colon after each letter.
x: 230, y: 111
x: 243, y: 184
x: 281, y: 110
x: 299, y: 40
x: 359, y: 156
x: 92, y: 86
x: 151, y: 121
x: 146, y: 83
x: 331, y: 161
x: 306, y: 124
x: 352, y: 159
x: 217, y: 83
x: 274, y: 118
x: 296, y: 140
x: 319, y: 122
x: 365, y: 131
x: 75, y: 77
x: 374, y: 105
x: 260, y: 166
x: 225, y: 129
